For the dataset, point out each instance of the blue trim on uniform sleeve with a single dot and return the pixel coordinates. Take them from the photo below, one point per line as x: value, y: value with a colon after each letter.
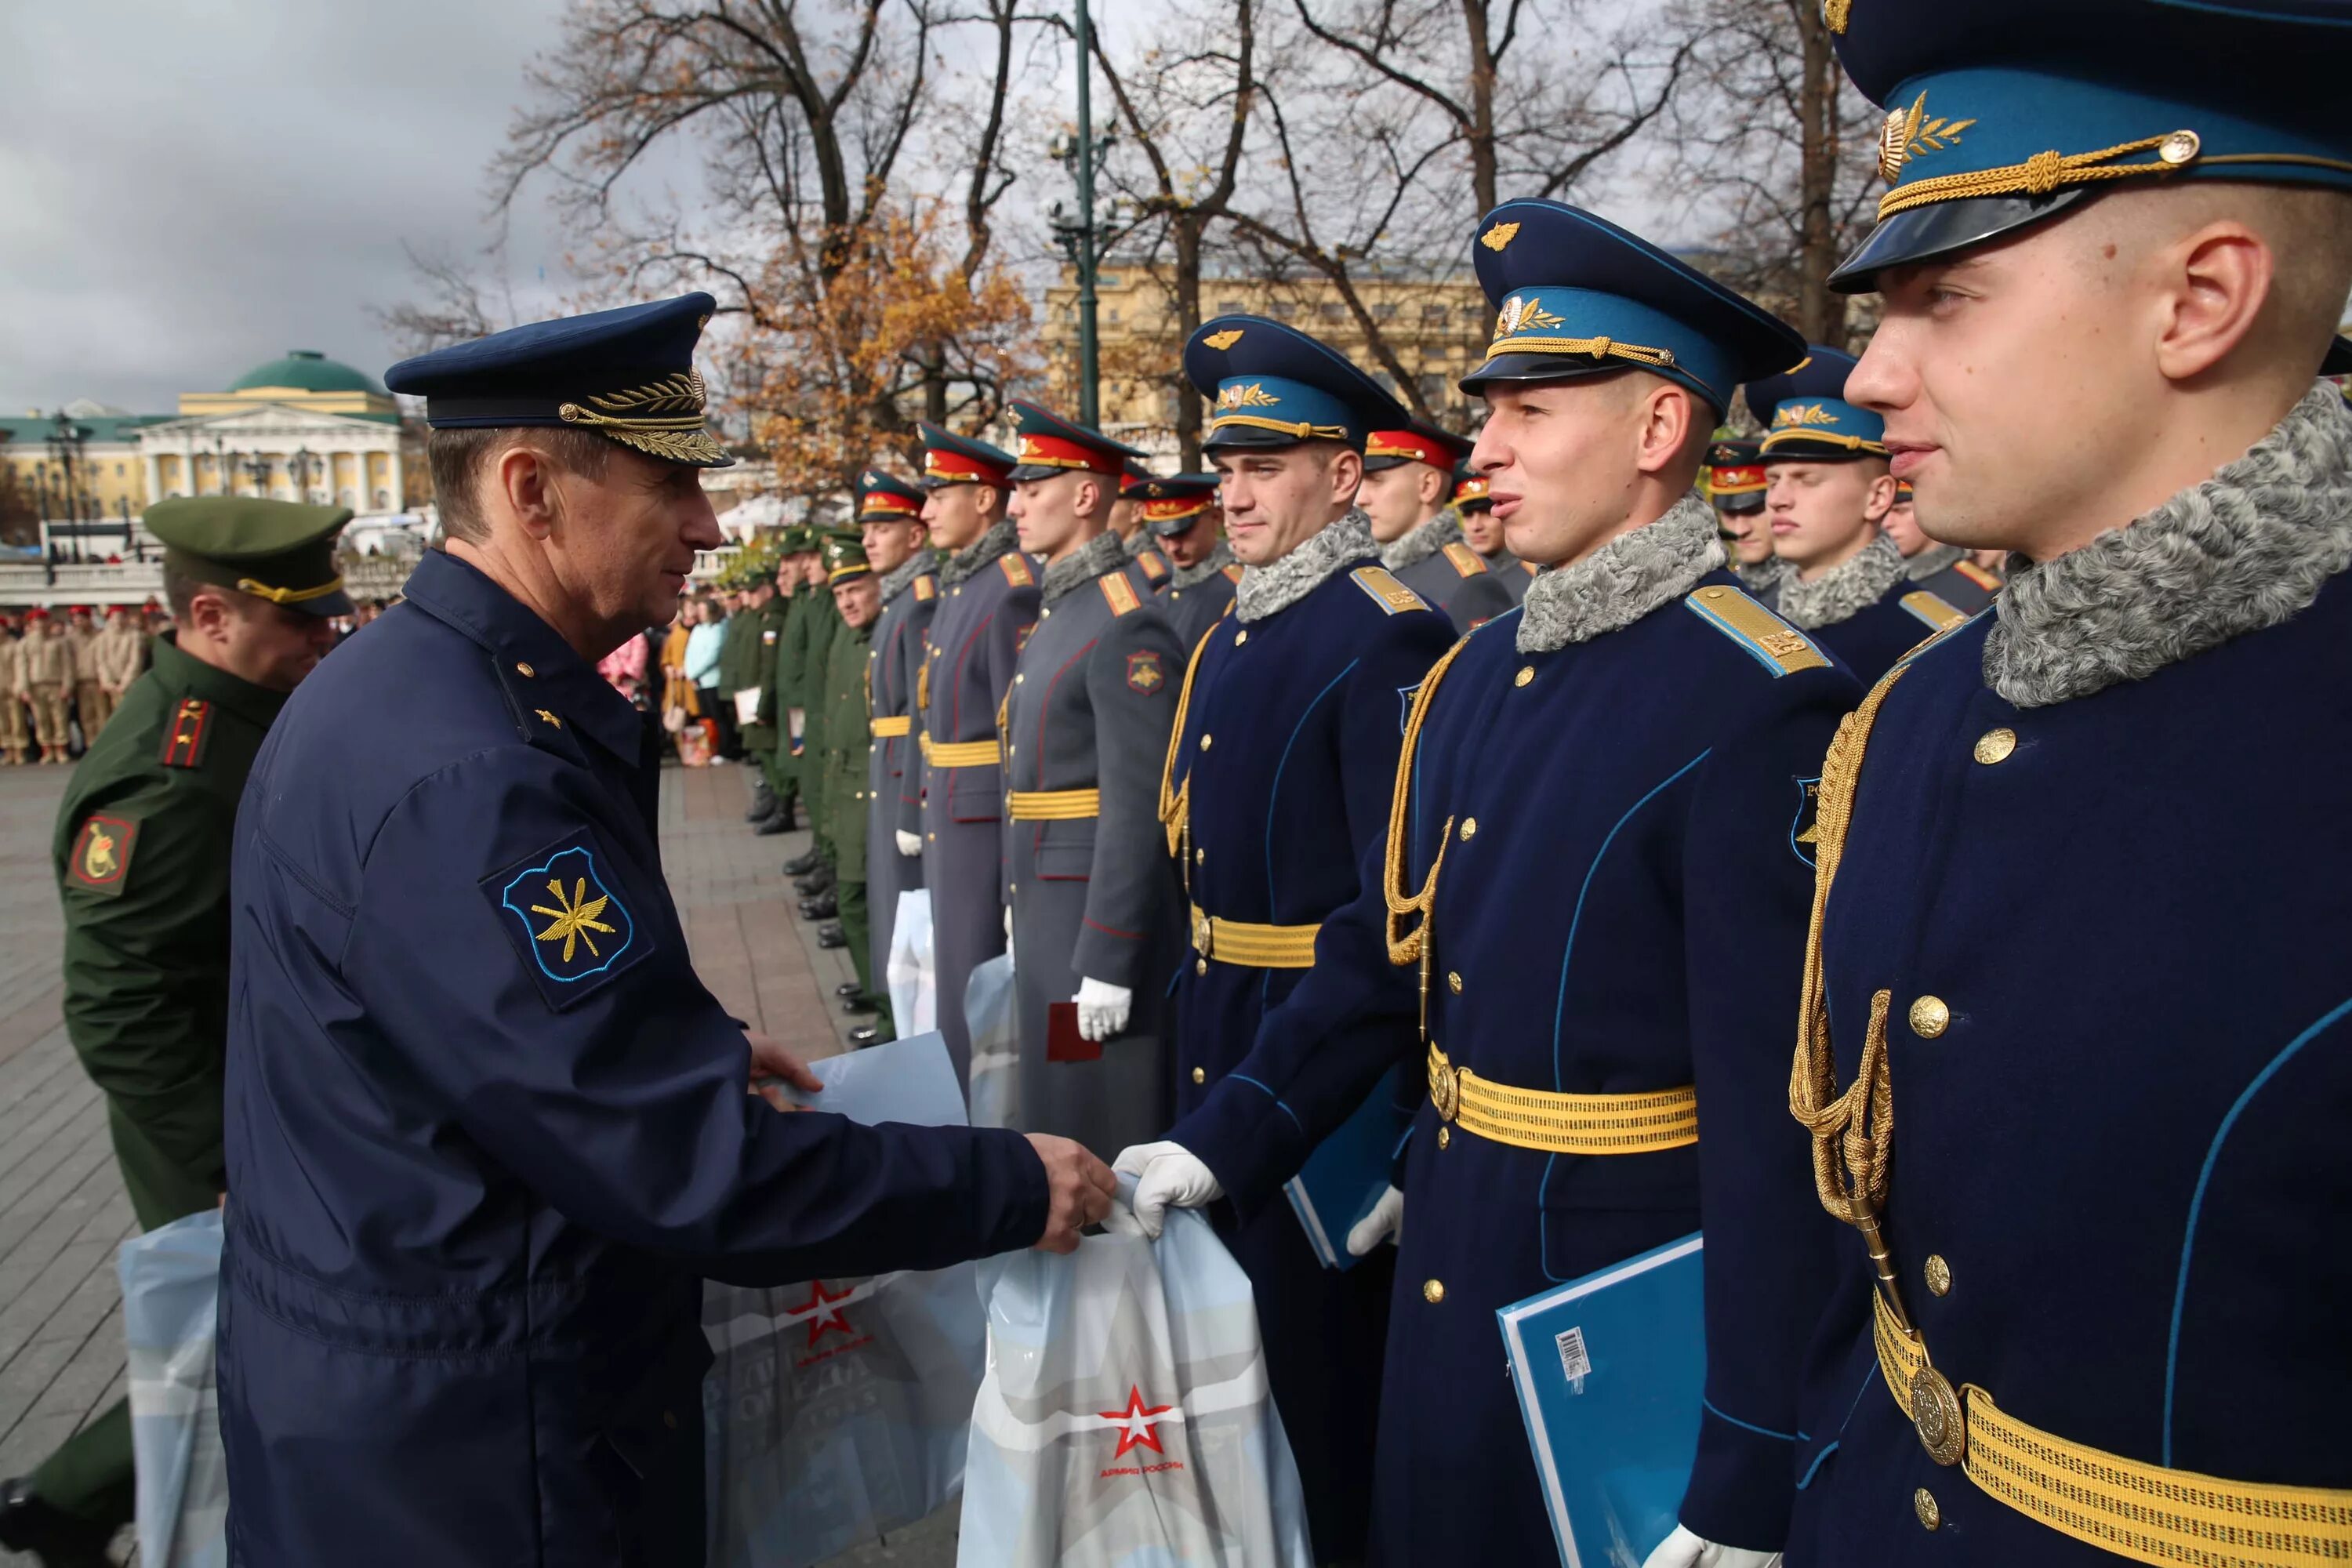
x: 1869, y: 1375
x: 1274, y: 797
x: 2204, y: 1178
x: 1709, y: 1405
x: 1241, y: 1078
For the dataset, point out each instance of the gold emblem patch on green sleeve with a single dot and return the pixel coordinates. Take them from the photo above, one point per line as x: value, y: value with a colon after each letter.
x: 100, y: 860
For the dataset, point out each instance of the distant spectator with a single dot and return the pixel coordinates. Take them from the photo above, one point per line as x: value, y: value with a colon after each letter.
x: 702, y: 649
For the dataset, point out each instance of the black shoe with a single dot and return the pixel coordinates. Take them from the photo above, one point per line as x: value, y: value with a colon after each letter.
x: 861, y: 1038
x: 770, y: 825
x: 831, y: 936
x: 801, y: 864
x: 820, y: 880
x: 821, y: 907
x: 763, y: 803
x: 788, y: 816
x: 847, y: 989
x: 57, y: 1539
x: 860, y: 1005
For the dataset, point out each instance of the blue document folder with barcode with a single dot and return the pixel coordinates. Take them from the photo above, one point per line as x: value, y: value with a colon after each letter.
x: 1609, y: 1371
x: 1349, y: 1169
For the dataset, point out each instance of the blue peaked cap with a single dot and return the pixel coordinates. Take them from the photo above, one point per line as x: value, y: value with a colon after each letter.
x: 1805, y: 414
x: 1272, y: 386
x: 1576, y: 295
x: 625, y: 375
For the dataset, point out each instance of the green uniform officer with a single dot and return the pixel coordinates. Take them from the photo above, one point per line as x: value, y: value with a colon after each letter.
x: 848, y: 742
x: 755, y: 657
x: 141, y: 853
x: 806, y: 646
x: 794, y: 546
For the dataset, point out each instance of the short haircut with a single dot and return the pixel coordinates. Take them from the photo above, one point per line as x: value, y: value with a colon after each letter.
x: 180, y: 591
x: 459, y: 458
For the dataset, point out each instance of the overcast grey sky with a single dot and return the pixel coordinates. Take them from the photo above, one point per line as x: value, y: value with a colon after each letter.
x: 191, y: 187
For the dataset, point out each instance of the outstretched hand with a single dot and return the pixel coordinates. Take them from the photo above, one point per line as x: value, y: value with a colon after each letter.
x: 773, y: 1067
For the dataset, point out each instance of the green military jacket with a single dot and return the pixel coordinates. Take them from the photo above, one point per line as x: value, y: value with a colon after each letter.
x: 736, y: 644
x: 847, y: 745
x: 806, y: 639
x: 762, y: 644
x: 141, y: 853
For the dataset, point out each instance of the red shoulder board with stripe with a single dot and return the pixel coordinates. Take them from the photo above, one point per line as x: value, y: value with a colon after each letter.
x: 1233, y: 575
x: 1119, y: 592
x: 191, y: 730
x: 1153, y: 566
x: 1016, y: 569
x: 1978, y: 575
x: 1466, y: 562
x: 1528, y: 568
x: 925, y: 589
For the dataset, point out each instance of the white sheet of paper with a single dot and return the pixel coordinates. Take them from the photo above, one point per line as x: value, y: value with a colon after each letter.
x: 747, y: 705
x: 909, y: 1080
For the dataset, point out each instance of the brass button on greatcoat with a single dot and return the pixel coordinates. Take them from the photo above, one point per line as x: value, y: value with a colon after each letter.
x: 524, y: 670
x: 1930, y: 1017
x: 1454, y: 982
x: 1200, y: 966
x: 1445, y: 1136
x: 1995, y: 745
x: 1199, y: 855
x: 1199, y: 1075
x: 1240, y: 637
x: 1923, y: 1503
x: 1433, y: 1291
x: 1204, y: 742
x: 1939, y: 1275
x: 1018, y: 679
x: 1469, y: 828
x: 1526, y: 673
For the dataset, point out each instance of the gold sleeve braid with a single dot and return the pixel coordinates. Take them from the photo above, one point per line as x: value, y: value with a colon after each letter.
x: 1176, y: 805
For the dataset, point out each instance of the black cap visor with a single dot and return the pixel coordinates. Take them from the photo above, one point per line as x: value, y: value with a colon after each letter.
x: 1746, y: 503
x: 1175, y: 526
x: 1942, y: 229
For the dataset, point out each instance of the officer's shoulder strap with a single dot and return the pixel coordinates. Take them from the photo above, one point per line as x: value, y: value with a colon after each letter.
x: 1015, y: 567
x: 926, y: 588
x: 1466, y: 562
x: 187, y: 733
x: 1774, y: 643
x: 1119, y: 593
x: 1528, y: 568
x: 1937, y: 613
x: 1155, y: 566
x: 1233, y: 575
x: 1391, y: 596
x: 1978, y: 575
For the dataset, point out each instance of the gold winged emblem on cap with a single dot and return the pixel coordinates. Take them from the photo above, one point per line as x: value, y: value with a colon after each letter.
x: 1501, y: 235
x: 1224, y: 340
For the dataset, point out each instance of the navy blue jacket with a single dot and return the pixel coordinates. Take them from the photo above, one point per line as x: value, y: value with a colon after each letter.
x: 1869, y: 641
x: 1621, y: 910
x: 487, y: 1130
x: 2120, y: 1134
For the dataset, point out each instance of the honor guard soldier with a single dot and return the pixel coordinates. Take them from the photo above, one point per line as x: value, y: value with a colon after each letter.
x: 1127, y: 520
x: 1592, y: 901
x: 1827, y: 491
x: 898, y: 547
x: 488, y: 1132
x: 1409, y: 494
x: 1182, y: 513
x: 1096, y: 923
x: 1484, y: 534
x: 2085, y: 1104
x: 1736, y: 484
x: 988, y: 601
x: 763, y: 617
x: 845, y: 751
x: 142, y: 854
x: 1275, y: 793
x: 1943, y: 570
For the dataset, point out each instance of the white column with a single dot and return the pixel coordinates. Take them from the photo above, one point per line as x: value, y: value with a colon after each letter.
x: 154, y: 478
x: 396, y: 491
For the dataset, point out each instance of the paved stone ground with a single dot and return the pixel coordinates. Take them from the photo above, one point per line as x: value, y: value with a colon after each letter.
x: 62, y: 1209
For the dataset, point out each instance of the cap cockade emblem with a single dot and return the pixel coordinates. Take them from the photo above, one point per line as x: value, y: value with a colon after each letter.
x: 1251, y: 395
x: 1910, y: 131
x: 1801, y: 413
x: 1522, y: 315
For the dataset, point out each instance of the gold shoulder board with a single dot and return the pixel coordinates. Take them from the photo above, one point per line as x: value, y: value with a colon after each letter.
x: 925, y: 589
x: 1939, y: 614
x: 1016, y: 569
x: 1119, y: 592
x: 1778, y: 646
x: 1386, y: 591
x: 1466, y: 559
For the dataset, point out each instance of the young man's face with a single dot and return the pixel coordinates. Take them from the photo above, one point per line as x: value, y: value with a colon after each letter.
x: 1902, y: 525
x: 1751, y: 536
x: 1398, y: 499
x: 957, y: 515
x: 1277, y: 498
x: 1479, y: 527
x: 1192, y: 546
x: 1125, y: 516
x: 890, y: 542
x: 1558, y: 457
x: 858, y: 599
x: 1046, y: 514
x: 1823, y: 514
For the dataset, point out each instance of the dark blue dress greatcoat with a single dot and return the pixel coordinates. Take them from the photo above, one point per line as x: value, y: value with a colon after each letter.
x: 1870, y: 640
x: 1286, y: 751
x: 2120, y: 1144
x: 1621, y: 910
x: 488, y: 1132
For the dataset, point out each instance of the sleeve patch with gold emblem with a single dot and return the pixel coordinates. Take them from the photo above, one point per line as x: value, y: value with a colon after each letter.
x: 1466, y: 562
x: 1144, y: 674
x: 1386, y: 591
x: 1121, y: 592
x: 925, y: 590
x: 1016, y: 569
x: 185, y: 737
x: 102, y: 854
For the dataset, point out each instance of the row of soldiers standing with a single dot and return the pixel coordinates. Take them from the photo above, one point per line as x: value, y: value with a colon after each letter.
x: 55, y: 674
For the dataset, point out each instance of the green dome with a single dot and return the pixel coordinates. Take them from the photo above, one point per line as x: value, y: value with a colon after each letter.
x: 310, y: 371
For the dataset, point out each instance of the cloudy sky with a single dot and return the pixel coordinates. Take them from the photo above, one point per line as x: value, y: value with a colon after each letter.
x: 190, y: 188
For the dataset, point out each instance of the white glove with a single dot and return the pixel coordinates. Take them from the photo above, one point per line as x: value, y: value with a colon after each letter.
x: 1008, y: 937
x: 1684, y: 1550
x: 1166, y: 1174
x: 910, y: 843
x: 1385, y: 1222
x: 1102, y: 1009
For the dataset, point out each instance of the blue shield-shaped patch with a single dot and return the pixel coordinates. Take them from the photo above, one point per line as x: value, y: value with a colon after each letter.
x: 1804, y: 831
x: 568, y: 921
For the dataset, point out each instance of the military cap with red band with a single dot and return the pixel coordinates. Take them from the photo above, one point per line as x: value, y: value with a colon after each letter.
x: 1415, y: 443
x: 884, y: 498
x: 952, y: 460
x: 1469, y: 487
x: 1051, y: 445
x: 1171, y: 505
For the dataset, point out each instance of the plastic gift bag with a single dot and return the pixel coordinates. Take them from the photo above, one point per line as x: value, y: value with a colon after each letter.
x: 1125, y: 1417
x: 171, y: 1293
x: 995, y: 1043
x: 911, y: 971
x: 837, y: 1409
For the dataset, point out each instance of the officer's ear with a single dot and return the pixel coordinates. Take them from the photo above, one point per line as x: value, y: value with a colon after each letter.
x: 1345, y: 470
x: 522, y: 484
x: 1879, y: 500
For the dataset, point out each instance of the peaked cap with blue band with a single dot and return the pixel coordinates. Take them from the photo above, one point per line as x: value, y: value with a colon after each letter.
x: 1272, y: 385
x: 1051, y: 445
x: 885, y: 497
x: 1805, y: 414
x: 2003, y: 112
x: 1576, y: 295
x: 625, y: 375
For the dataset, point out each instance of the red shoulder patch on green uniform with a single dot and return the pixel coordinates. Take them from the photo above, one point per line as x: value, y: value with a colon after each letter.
x: 102, y: 854
x: 190, y: 731
x: 1144, y: 674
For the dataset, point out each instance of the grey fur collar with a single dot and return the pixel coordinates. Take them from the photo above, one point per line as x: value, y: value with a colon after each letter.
x: 999, y: 539
x: 1622, y: 581
x: 1139, y: 543
x: 1423, y: 540
x: 1843, y: 591
x: 903, y: 574
x: 2247, y: 549
x: 1200, y: 571
x: 1268, y: 590
x: 1097, y: 557
x: 1928, y: 562
x: 1759, y: 577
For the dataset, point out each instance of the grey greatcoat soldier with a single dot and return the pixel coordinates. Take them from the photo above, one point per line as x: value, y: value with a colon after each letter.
x: 1094, y: 899
x: 1181, y: 511
x: 889, y: 515
x: 1407, y: 493
x: 1943, y: 570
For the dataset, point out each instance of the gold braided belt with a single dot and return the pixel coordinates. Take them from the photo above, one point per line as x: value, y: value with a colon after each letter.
x: 1556, y: 1123
x: 890, y: 728
x: 961, y: 753
x: 1253, y: 946
x: 1052, y: 805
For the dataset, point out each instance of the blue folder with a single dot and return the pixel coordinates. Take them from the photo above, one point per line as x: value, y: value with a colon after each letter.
x: 1610, y: 1370
x: 1348, y: 1171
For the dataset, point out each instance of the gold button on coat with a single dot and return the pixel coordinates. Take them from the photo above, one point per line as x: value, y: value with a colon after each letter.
x: 1995, y: 745
x: 1526, y: 673
x: 1199, y: 1075
x: 1939, y: 1275
x: 1930, y: 1017
x: 1199, y: 855
x: 1445, y: 1136
x: 1200, y: 966
x: 1240, y: 637
x: 1469, y: 828
x: 524, y: 670
x: 1923, y: 1503
x: 1454, y: 981
x: 1433, y: 1291
x: 1204, y: 742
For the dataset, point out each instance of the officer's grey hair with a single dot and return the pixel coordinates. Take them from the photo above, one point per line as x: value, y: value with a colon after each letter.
x: 1275, y: 586
x: 1422, y: 540
x: 1843, y: 591
x: 1220, y: 556
x: 1000, y: 539
x: 1622, y: 581
x: 1930, y: 561
x: 1105, y: 552
x: 459, y: 458
x: 2246, y: 549
x: 902, y: 576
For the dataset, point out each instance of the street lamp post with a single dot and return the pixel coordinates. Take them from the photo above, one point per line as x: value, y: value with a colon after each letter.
x: 1080, y: 241
x: 256, y: 468
x: 299, y: 467
x: 221, y: 485
x: 66, y: 442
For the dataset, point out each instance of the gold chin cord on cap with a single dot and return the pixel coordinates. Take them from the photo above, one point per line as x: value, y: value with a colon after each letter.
x: 288, y: 596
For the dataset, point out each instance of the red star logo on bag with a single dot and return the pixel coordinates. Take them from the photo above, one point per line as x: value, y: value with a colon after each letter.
x: 1135, y: 1427
x: 833, y: 1319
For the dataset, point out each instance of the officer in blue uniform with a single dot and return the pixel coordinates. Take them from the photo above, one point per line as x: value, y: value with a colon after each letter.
x: 486, y: 1129
x: 1276, y: 791
x: 1827, y: 491
x: 1589, y: 914
x: 1181, y: 511
x: 2077, y: 1050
